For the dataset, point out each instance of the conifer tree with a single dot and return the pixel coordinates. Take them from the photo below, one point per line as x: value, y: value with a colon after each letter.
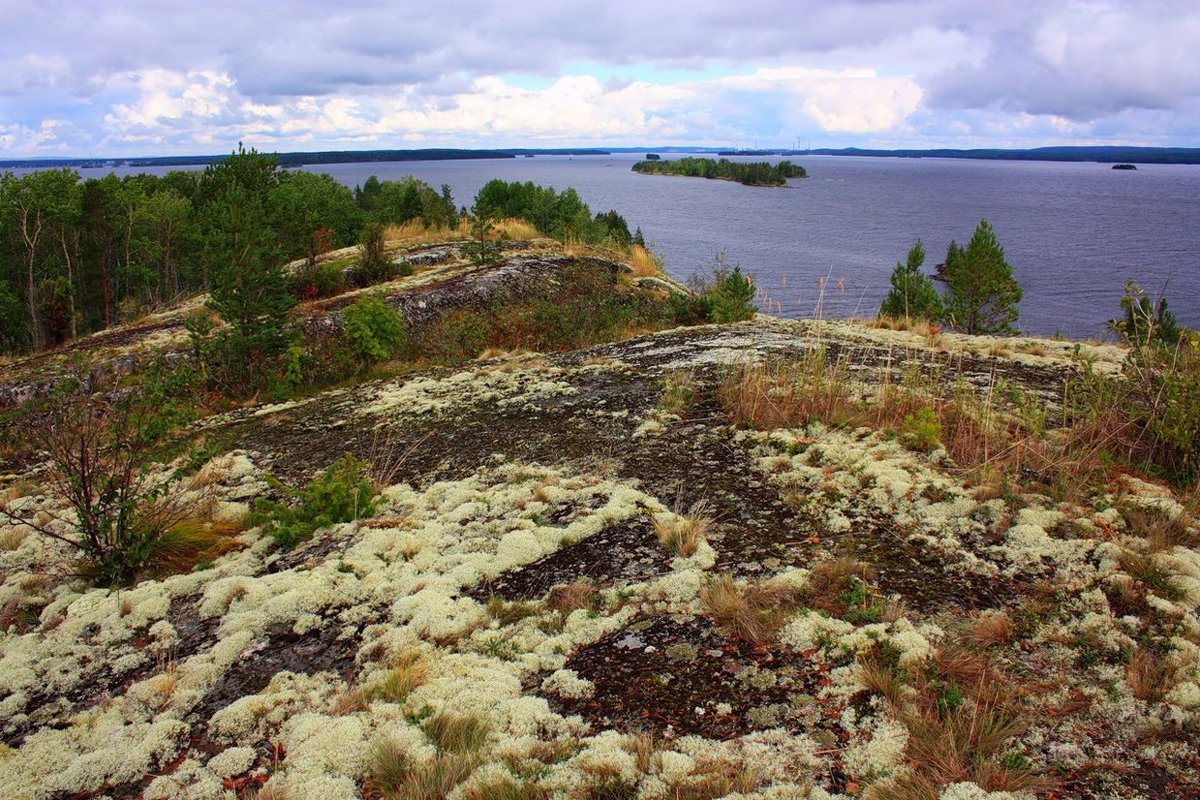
x: 249, y: 287
x: 913, y: 295
x: 982, y: 294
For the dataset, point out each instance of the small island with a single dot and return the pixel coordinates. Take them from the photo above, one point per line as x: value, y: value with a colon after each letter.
x: 757, y: 173
x: 1124, y: 166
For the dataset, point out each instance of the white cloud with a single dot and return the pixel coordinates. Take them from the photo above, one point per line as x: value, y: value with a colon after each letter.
x: 124, y: 73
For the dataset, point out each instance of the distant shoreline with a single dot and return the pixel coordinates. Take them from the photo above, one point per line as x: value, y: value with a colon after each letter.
x: 1101, y: 155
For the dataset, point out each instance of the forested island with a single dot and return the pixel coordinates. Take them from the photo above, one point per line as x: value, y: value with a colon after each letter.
x: 758, y: 173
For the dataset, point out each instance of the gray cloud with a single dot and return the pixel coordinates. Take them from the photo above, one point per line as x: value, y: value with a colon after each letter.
x: 1116, y: 67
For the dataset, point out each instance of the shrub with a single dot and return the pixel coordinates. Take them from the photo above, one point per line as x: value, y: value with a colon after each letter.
x: 373, y: 330
x: 732, y: 296
x: 1144, y: 322
x: 922, y: 430
x: 341, y: 493
x: 122, y: 514
x: 315, y: 280
x: 374, y: 264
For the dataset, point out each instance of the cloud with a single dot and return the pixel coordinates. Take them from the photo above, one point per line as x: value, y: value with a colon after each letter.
x: 1083, y: 61
x: 123, y: 74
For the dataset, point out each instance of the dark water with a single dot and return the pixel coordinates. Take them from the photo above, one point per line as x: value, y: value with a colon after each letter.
x: 1074, y: 233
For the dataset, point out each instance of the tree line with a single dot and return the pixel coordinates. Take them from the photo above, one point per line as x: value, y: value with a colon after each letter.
x: 77, y: 256
x: 757, y: 173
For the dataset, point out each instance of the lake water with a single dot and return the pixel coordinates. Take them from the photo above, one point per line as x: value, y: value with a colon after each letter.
x: 1074, y: 233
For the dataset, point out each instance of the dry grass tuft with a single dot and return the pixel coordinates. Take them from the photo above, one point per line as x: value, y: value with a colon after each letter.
x: 752, y: 612
x: 682, y: 533
x: 644, y: 748
x: 644, y: 263
x: 679, y: 391
x: 273, y: 791
x: 881, y: 678
x: 517, y: 229
x: 22, y: 487
x: 394, y: 775
x: 840, y: 585
x: 566, y: 598
x: 12, y: 538
x: 713, y: 779
x: 1160, y: 529
x: 992, y: 629
x: 409, y: 673
x: 510, y: 612
x: 191, y: 541
x: 1148, y: 676
x: 457, y: 733
x: 790, y: 393
x: 505, y: 789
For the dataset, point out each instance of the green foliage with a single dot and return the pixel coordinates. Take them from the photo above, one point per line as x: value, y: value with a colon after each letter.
x: 1145, y: 322
x: 1165, y: 403
x: 373, y: 330
x: 758, y: 173
x: 313, y: 280
x: 982, y: 294
x: 922, y: 431
x: 616, y: 229
x: 303, y: 204
x: 405, y: 200
x: 912, y: 295
x: 732, y: 295
x: 249, y: 289
x: 559, y: 215
x: 341, y: 493
x: 374, y: 265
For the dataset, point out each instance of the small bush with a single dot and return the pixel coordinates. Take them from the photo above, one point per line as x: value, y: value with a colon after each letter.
x: 315, y: 280
x: 122, y: 513
x: 732, y: 296
x: 373, y: 330
x: 339, y: 494
x: 922, y: 431
x: 374, y: 265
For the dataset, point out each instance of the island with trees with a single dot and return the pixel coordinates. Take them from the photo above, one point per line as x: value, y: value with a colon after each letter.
x: 757, y: 173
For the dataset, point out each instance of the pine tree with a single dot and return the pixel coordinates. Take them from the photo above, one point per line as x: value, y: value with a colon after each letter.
x: 982, y: 294
x: 913, y: 295
x: 249, y: 287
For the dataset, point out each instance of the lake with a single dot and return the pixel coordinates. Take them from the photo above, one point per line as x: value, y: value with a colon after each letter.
x: 1073, y: 232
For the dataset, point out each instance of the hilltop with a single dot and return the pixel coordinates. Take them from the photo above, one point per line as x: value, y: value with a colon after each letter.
x: 761, y: 559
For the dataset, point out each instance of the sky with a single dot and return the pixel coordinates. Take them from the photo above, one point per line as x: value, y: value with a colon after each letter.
x: 111, y: 78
